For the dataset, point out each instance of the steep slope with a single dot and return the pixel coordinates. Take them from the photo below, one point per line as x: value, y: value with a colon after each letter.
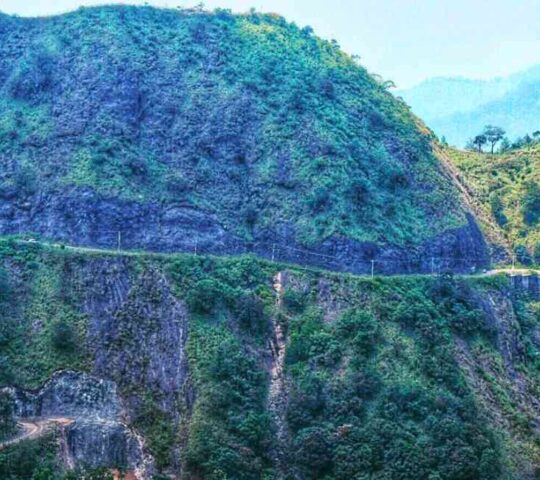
x: 184, y: 130
x: 209, y: 368
x: 507, y: 187
x: 459, y: 108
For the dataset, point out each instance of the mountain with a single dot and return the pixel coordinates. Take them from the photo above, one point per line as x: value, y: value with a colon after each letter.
x: 459, y: 108
x: 195, y: 367
x: 181, y: 130
x: 169, y: 180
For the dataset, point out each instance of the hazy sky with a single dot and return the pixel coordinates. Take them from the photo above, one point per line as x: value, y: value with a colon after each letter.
x: 403, y: 40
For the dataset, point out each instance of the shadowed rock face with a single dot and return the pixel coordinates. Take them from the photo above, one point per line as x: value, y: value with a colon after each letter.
x: 527, y: 284
x: 86, y: 219
x: 79, y: 395
x: 72, y: 395
x: 460, y: 250
x: 96, y: 443
x: 97, y: 437
x: 138, y: 330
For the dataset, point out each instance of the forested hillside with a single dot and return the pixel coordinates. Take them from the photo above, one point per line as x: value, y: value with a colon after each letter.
x: 177, y: 130
x: 185, y: 197
x: 507, y: 186
x: 239, y: 368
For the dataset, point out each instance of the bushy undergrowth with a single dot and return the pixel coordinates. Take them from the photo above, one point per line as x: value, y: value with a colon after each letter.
x: 507, y: 186
x: 42, y: 328
x: 352, y: 415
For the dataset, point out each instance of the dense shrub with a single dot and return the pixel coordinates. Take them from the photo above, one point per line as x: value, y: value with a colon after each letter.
x: 26, y: 459
x: 497, y: 210
x: 523, y: 255
x: 34, y: 76
x: 536, y: 253
x: 159, y: 431
x: 250, y: 314
x: 203, y: 296
x: 294, y: 300
x: 313, y: 452
x: 64, y: 336
x: 361, y: 329
x: 7, y: 419
x: 229, y: 431
x: 531, y: 204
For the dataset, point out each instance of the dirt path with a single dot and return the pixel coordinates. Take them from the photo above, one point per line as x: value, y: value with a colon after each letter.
x: 277, y: 394
x: 512, y: 271
x: 35, y: 428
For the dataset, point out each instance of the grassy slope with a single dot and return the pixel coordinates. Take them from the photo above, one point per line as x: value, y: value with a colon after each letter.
x: 375, y: 379
x: 506, y: 186
x: 246, y: 116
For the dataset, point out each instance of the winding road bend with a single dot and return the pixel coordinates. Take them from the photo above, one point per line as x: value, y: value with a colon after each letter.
x: 32, y: 428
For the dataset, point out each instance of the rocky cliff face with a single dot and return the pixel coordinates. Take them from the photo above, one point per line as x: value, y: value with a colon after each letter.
x: 95, y: 435
x: 135, y: 336
x: 70, y: 394
x: 109, y: 223
x: 138, y: 330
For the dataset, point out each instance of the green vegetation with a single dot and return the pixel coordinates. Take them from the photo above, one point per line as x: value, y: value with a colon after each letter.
x: 229, y: 431
x: 231, y: 300
x: 30, y: 460
x: 158, y: 431
x: 490, y: 135
x: 507, y: 187
x: 42, y: 328
x: 37, y: 460
x: 357, y: 383
x: 379, y: 371
x: 224, y: 113
x: 8, y: 424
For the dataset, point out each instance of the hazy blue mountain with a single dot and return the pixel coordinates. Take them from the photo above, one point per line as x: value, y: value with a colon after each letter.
x: 459, y: 107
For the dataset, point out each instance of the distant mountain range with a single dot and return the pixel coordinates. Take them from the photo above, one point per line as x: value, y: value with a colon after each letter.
x: 458, y: 108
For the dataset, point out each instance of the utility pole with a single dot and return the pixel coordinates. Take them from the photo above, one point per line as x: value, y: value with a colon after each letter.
x: 119, y: 242
x: 196, y: 245
x: 273, y: 251
x: 372, y: 268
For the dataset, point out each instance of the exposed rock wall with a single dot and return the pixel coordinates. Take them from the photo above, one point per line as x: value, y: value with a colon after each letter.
x: 527, y: 284
x: 100, y: 443
x: 70, y: 394
x: 137, y: 330
x: 82, y: 217
x: 97, y: 435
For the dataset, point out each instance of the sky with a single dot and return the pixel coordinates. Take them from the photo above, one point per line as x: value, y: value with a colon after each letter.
x: 406, y: 41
